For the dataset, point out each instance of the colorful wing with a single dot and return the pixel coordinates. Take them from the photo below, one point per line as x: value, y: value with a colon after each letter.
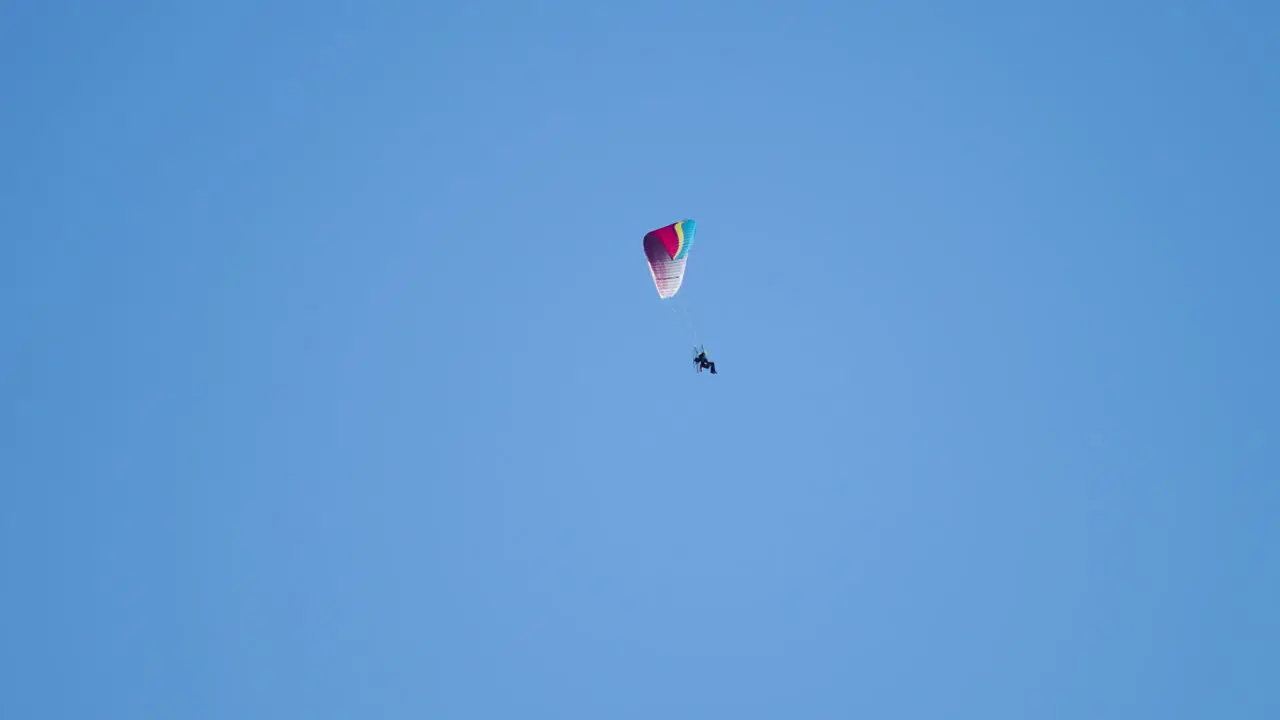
x: 667, y: 250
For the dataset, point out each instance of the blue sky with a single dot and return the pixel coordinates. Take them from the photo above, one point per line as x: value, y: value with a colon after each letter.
x: 335, y: 384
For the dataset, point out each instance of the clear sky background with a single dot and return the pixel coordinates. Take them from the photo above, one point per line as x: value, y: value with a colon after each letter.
x: 335, y: 384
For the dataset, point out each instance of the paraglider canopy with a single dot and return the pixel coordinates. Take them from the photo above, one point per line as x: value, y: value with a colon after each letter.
x: 667, y: 250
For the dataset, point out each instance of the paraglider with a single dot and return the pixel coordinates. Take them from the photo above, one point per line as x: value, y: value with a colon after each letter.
x: 701, y: 361
x: 667, y: 251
